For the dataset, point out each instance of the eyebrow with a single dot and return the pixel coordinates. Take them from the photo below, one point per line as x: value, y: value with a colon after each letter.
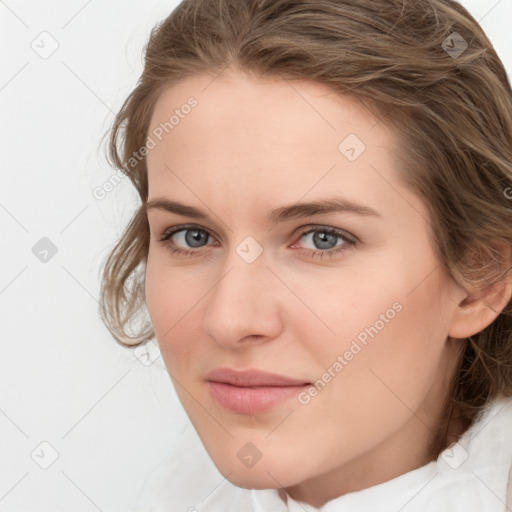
x: 284, y: 213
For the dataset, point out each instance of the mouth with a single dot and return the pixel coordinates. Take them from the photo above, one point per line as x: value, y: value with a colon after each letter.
x: 252, y: 391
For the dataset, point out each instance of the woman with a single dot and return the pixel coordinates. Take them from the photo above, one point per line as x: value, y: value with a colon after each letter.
x: 324, y: 248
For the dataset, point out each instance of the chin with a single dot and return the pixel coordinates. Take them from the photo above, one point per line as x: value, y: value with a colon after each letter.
x: 264, y: 474
x: 260, y: 480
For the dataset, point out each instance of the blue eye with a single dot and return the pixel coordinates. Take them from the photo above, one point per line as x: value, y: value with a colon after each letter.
x: 194, y: 237
x: 327, y: 241
x: 191, y: 235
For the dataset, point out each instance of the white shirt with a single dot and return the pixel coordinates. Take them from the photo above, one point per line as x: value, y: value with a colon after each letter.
x: 471, y: 475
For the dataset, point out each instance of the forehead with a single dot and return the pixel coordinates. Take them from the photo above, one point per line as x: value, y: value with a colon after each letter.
x: 259, y: 120
x: 247, y: 103
x: 233, y: 84
x: 256, y: 142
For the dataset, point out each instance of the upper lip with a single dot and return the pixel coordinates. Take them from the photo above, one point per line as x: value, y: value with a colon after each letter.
x: 251, y: 377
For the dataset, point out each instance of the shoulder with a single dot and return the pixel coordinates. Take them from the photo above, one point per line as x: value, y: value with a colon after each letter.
x: 475, y: 472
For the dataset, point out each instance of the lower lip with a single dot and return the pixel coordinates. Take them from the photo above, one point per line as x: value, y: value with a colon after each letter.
x: 247, y: 400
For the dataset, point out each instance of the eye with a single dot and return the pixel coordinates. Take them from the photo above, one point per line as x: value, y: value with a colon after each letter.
x: 327, y: 241
x: 184, y: 236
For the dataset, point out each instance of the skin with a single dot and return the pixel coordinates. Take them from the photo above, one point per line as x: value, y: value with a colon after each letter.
x: 252, y: 145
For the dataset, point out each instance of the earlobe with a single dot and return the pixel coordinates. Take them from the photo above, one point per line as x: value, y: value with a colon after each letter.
x: 479, y: 309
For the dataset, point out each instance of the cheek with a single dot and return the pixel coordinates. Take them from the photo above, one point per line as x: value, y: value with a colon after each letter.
x: 167, y: 297
x: 388, y: 336
x: 174, y: 298
x: 375, y: 372
x: 391, y: 349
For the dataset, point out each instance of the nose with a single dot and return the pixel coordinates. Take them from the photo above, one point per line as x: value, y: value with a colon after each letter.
x: 243, y: 308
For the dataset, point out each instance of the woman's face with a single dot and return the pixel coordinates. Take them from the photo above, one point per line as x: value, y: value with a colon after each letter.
x: 303, y: 256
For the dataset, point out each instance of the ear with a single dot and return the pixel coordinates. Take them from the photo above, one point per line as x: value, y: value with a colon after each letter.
x: 481, y: 306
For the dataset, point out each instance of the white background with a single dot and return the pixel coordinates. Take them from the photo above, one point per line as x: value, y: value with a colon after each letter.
x: 63, y: 379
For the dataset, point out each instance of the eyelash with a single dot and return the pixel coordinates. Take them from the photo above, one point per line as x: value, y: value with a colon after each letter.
x: 349, y: 241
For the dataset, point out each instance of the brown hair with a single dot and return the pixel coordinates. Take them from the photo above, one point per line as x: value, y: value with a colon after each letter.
x: 451, y: 106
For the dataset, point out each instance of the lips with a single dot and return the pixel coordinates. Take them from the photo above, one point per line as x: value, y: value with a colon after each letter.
x: 252, y: 391
x: 251, y: 378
